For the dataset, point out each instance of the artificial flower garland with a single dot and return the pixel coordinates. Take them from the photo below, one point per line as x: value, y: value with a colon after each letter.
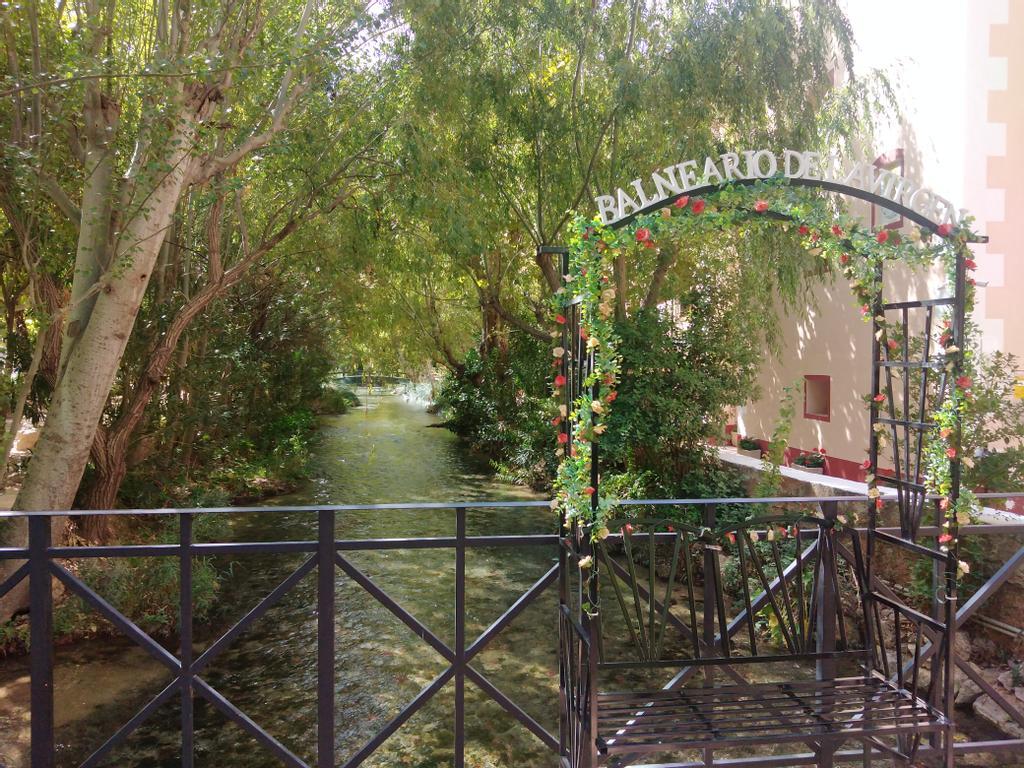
x: 840, y: 240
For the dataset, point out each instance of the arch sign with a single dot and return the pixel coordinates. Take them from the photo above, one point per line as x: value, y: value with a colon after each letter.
x: 861, y: 179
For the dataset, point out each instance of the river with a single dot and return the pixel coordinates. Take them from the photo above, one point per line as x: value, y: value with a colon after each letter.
x: 385, y: 451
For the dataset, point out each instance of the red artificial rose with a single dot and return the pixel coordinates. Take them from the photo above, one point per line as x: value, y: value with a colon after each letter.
x: 803, y: 230
x: 844, y: 259
x: 731, y: 537
x: 610, y: 397
x: 971, y: 281
x: 951, y: 453
x: 837, y: 230
x: 865, y: 309
x: 556, y: 421
x: 821, y: 451
x: 563, y: 438
x: 971, y: 264
x: 559, y: 380
x: 583, y: 334
x: 643, y: 235
x: 698, y: 205
x: 945, y: 538
x: 560, y: 319
x: 964, y: 382
x: 878, y: 503
x: 589, y: 490
x: 866, y: 464
x: 670, y: 529
x: 681, y: 202
x: 882, y: 236
x: 945, y: 229
x: 893, y: 344
x: 761, y: 206
x: 879, y: 398
x: 815, y: 237
x: 628, y: 528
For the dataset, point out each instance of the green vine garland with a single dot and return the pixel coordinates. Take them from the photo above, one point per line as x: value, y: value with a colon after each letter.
x: 838, y: 239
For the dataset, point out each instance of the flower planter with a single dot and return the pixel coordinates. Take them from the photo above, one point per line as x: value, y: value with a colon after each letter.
x: 812, y: 470
x: 754, y: 453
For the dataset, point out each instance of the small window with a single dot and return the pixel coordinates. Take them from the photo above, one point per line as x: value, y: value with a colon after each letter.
x: 817, y: 397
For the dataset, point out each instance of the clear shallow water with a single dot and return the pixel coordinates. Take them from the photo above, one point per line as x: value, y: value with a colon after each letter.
x: 385, y: 452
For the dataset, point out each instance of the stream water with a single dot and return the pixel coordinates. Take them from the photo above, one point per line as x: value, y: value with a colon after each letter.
x: 386, y: 451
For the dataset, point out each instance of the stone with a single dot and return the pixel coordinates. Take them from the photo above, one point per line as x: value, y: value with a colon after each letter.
x: 967, y: 691
x: 988, y: 710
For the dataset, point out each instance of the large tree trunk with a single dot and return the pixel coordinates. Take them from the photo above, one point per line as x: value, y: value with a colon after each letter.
x: 89, y: 368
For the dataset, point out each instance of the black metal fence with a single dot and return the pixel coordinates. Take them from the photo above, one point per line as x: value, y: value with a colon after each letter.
x: 43, y: 561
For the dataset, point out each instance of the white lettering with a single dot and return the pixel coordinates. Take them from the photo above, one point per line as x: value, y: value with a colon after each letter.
x: 606, y: 209
x: 666, y: 185
x: 688, y: 174
x: 800, y: 169
x: 812, y: 165
x: 773, y: 163
x: 626, y: 200
x: 731, y: 166
x: 710, y: 169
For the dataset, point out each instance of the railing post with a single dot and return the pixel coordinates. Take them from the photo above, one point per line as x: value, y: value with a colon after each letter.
x: 709, y: 520
x: 185, y: 632
x: 828, y: 605
x: 41, y: 640
x: 325, y: 639
x: 460, y: 637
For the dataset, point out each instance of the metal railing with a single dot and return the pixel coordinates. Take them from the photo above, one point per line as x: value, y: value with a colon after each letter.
x: 41, y: 561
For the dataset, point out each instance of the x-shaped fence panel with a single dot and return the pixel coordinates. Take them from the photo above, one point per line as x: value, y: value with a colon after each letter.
x: 327, y: 556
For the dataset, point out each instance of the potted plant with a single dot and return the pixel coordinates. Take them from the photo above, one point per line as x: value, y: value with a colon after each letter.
x: 748, y: 446
x: 813, y: 462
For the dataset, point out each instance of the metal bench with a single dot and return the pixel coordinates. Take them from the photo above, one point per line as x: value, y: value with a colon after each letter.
x: 697, y: 603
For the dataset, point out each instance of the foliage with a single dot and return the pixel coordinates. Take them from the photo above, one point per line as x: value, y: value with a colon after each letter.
x: 144, y: 589
x: 994, y: 419
x: 769, y: 480
x: 813, y: 459
x: 843, y: 243
x: 498, y: 404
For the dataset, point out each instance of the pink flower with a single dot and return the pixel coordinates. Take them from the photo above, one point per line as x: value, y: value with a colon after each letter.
x: 866, y: 464
x: 879, y: 398
x: 964, y: 382
x: 563, y: 438
x: 559, y: 380
x: 879, y: 503
x: 627, y: 528
x: 698, y: 206
x: 951, y: 453
x: 560, y: 319
x: 893, y: 344
x: 882, y: 236
x: 945, y: 538
x: 643, y: 235
x: 761, y: 206
x: 681, y: 202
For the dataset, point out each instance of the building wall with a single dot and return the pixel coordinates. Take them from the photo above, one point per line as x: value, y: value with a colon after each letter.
x: 960, y: 80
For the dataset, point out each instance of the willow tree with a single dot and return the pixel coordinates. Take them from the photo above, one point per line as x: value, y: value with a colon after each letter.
x: 541, y: 106
x: 151, y: 101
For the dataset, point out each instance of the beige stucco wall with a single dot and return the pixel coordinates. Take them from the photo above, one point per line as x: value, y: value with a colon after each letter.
x: 960, y: 75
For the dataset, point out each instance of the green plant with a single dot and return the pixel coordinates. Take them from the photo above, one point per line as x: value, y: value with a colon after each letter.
x: 814, y: 459
x: 749, y: 444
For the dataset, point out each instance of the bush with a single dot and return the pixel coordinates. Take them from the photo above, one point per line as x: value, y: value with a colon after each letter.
x: 500, y: 404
